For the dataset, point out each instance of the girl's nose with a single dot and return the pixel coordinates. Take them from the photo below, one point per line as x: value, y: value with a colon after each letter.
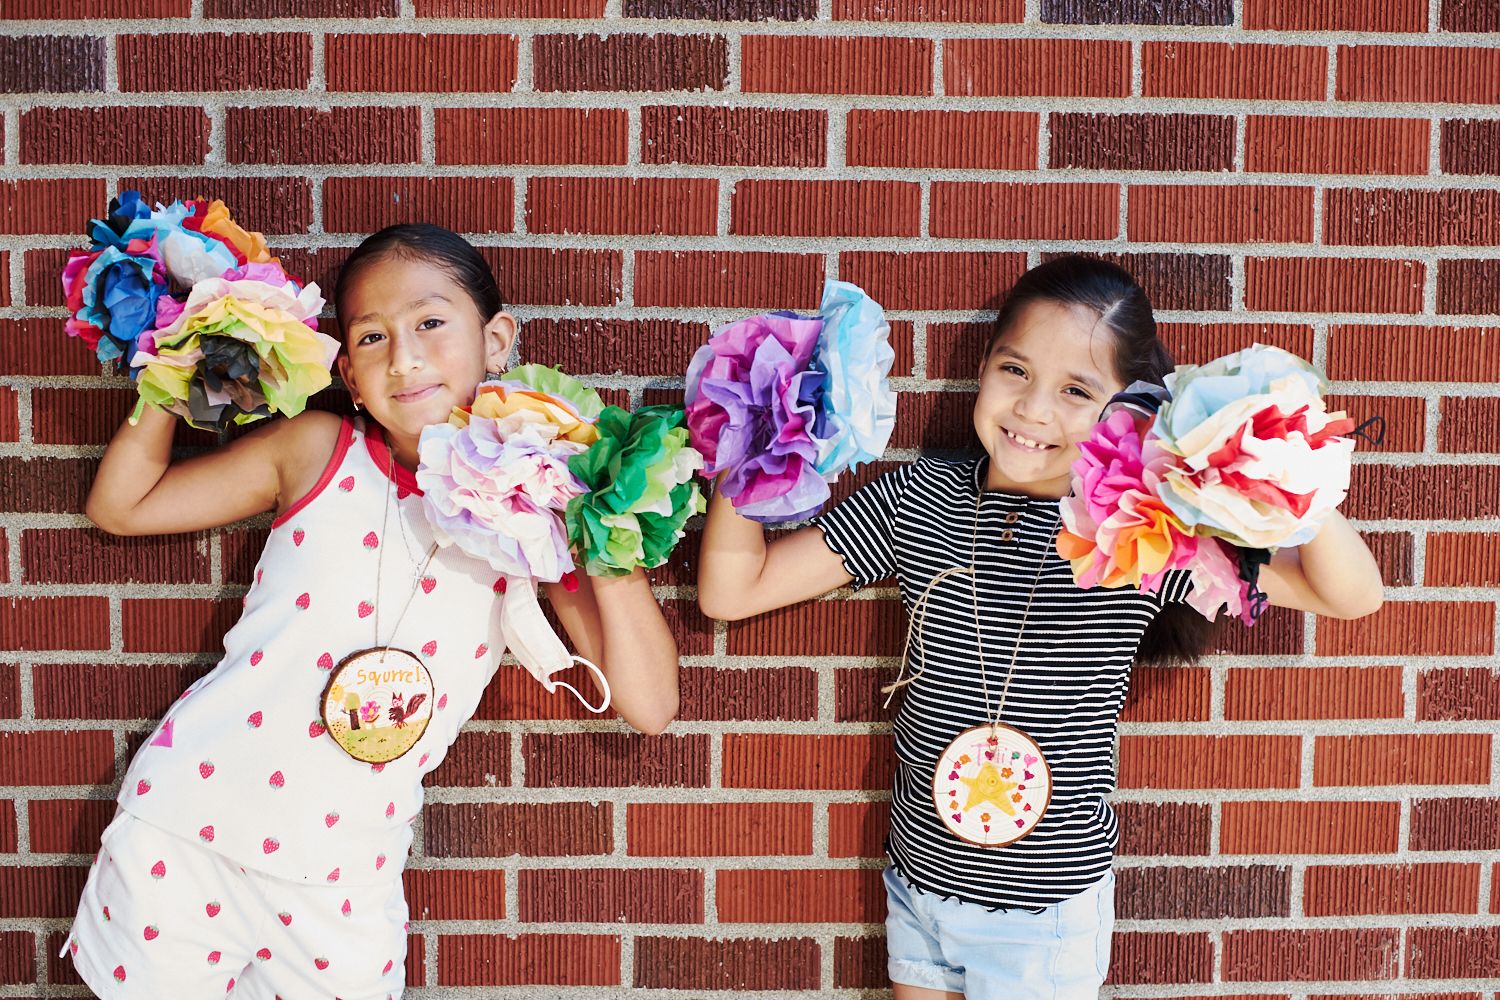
x: 406, y: 354
x: 1032, y: 406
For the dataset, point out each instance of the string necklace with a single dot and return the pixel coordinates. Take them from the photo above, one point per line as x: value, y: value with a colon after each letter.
x: 381, y: 683
x: 992, y: 784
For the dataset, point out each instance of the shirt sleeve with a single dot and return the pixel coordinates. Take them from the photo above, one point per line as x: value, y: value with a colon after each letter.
x: 1176, y: 587
x: 861, y: 529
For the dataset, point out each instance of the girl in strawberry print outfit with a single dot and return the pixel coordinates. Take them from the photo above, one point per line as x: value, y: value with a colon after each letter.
x: 251, y: 854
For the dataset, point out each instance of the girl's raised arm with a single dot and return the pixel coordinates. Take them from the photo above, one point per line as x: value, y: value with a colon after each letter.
x: 140, y: 490
x: 1333, y: 575
x: 739, y: 575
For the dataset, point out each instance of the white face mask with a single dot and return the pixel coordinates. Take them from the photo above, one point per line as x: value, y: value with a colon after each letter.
x: 530, y: 638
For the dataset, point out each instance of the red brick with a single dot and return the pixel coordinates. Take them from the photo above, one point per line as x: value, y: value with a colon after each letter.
x: 54, y: 623
x: 10, y: 694
x: 1167, y: 694
x: 449, y: 894
x: 629, y: 62
x: 166, y: 625
x: 825, y: 208
x: 1141, y: 142
x: 1453, y: 952
x: 955, y: 350
x: 1237, y: 72
x: 114, y: 135
x: 1159, y: 892
x: 1300, y: 145
x: 939, y: 11
x: 1336, y: 15
x: 319, y: 265
x: 1331, y: 284
x: 10, y: 429
x: 1424, y: 491
x: 822, y: 763
x: 476, y: 760
x: 58, y: 757
x: 1427, y: 628
x: 1265, y: 693
x: 547, y: 276
x: 821, y: 628
x: 342, y: 135
x: 510, y: 8
x: 1360, y: 217
x: 799, y: 896
x: 276, y: 205
x: 68, y: 826
x: 1308, y: 827
x: 975, y: 140
x: 1220, y: 214
x: 259, y: 61
x: 949, y: 281
x: 1210, y: 761
x: 5, y: 278
x: 1455, y: 824
x: 1254, y: 956
x: 1402, y: 759
x: 93, y: 10
x: 88, y: 555
x: 92, y: 415
x: 1173, y: 280
x: 1035, y: 67
x: 416, y: 960
x: 719, y: 829
x: 669, y: 206
x: 1200, y: 343
x: 530, y: 135
x: 1468, y: 287
x: 1470, y: 424
x: 743, y: 137
x: 860, y: 962
x: 1470, y: 146
x: 49, y: 206
x: 1394, y: 553
x: 760, y: 694
x: 809, y: 64
x: 1184, y: 12
x: 615, y: 760
x: 18, y: 957
x: 609, y: 895
x: 974, y: 210
x: 1462, y: 559
x: 528, y: 959
x: 9, y: 832
x: 1470, y: 15
x: 681, y: 567
x: 1405, y: 420
x: 60, y: 971
x: 734, y: 964
x: 1418, y: 74
x: 462, y: 204
x: 1413, y: 354
x: 1458, y: 693
x: 1138, y: 958
x: 44, y: 485
x: 728, y: 279
x: 941, y: 420
x: 248, y: 9
x: 429, y: 64
x: 1151, y: 829
x: 41, y: 890
x: 109, y: 691
x: 858, y: 696
x: 858, y: 829
x: 496, y: 830
x: 632, y: 347
x: 1277, y: 631
x: 1350, y: 890
x: 51, y: 64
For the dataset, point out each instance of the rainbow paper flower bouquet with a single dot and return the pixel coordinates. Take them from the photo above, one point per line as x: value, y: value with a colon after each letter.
x: 784, y: 403
x: 198, y: 312
x: 1240, y: 459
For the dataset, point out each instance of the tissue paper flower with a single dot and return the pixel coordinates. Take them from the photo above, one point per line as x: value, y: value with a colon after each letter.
x: 639, y: 476
x: 240, y: 348
x: 753, y: 409
x: 1262, y: 461
x: 854, y: 351
x: 111, y: 296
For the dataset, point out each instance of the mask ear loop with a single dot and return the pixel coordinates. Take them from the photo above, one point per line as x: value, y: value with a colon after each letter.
x: 1379, y: 437
x: 598, y: 676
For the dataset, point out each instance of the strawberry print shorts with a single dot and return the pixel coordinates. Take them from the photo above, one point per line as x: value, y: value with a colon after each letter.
x: 165, y: 917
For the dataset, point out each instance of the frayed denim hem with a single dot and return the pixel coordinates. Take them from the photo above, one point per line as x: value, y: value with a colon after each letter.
x: 925, y: 975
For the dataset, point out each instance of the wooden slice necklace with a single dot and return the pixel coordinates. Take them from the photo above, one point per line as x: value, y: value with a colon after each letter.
x: 379, y: 700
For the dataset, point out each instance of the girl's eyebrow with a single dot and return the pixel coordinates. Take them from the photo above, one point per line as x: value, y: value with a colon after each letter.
x: 412, y: 306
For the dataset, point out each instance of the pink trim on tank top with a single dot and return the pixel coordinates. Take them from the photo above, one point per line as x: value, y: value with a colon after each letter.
x: 346, y: 437
x: 375, y: 441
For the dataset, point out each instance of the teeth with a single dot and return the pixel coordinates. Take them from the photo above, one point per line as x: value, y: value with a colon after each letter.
x: 1026, y: 441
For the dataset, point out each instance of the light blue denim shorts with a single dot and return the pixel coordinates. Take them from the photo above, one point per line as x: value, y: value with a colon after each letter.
x: 1061, y: 953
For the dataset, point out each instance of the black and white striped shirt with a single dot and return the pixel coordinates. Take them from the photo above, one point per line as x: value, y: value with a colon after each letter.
x: 1071, y: 673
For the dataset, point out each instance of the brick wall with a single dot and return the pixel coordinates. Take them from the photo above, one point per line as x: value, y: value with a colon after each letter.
x: 1312, y: 813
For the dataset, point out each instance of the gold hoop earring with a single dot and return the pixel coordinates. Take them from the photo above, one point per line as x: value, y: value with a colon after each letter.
x: 356, y: 406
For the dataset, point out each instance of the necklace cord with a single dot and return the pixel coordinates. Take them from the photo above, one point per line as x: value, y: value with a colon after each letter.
x: 390, y: 477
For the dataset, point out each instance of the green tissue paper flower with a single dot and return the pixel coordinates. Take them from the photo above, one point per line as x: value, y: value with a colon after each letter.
x: 542, y: 378
x: 641, y: 490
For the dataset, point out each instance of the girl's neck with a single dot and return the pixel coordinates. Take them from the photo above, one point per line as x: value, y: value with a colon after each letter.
x: 994, y: 481
x: 404, y: 450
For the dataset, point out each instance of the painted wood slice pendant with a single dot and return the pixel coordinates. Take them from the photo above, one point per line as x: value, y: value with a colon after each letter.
x: 377, y: 703
x: 992, y: 785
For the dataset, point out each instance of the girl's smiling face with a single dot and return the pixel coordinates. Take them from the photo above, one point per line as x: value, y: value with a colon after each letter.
x: 1040, y: 392
x: 415, y: 346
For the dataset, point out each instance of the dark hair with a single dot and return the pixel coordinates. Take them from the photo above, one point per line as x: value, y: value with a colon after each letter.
x: 1179, y: 634
x: 434, y: 245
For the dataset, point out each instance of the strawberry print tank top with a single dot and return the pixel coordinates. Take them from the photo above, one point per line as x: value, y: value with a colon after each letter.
x: 243, y: 763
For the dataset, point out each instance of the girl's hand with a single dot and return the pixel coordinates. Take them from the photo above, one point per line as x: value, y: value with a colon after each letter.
x: 616, y: 623
x: 739, y: 575
x: 140, y: 490
x: 1333, y: 575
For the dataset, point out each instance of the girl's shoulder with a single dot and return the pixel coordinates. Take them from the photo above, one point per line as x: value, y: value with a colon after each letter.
x: 304, y: 447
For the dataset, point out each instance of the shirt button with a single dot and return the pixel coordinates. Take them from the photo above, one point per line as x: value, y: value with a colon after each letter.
x: 1012, y: 517
x: 1007, y: 535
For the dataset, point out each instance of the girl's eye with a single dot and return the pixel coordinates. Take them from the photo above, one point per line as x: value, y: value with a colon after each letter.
x: 1080, y: 393
x: 430, y: 324
x: 369, y: 338
x: 1013, y: 370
